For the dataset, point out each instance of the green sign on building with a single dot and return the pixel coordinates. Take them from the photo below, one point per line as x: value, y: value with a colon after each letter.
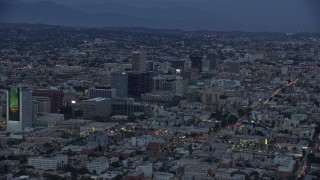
x: 14, y: 104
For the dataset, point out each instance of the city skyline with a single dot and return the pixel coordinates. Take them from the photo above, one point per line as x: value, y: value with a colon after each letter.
x: 160, y: 89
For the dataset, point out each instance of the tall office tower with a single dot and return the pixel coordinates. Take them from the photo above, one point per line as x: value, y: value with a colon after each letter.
x: 213, y: 61
x: 3, y: 105
x: 19, y: 109
x: 234, y: 67
x: 150, y: 66
x: 181, y: 87
x: 56, y: 97
x: 196, y: 62
x: 163, y: 83
x: 138, y: 83
x: 119, y: 81
x: 205, y: 64
x: 158, y: 83
x: 139, y: 61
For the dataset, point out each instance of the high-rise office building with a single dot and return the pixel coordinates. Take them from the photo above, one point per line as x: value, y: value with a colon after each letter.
x: 139, y: 61
x: 150, y: 65
x: 163, y: 83
x: 205, y: 64
x: 56, y: 97
x: 181, y: 87
x: 196, y: 62
x: 119, y: 81
x: 138, y: 83
x: 19, y: 109
x: 3, y: 105
x: 213, y: 61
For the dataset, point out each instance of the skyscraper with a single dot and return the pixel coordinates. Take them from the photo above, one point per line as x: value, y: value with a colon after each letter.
x: 119, y: 81
x: 138, y: 83
x: 196, y: 62
x: 19, y: 109
x: 163, y: 83
x: 213, y: 61
x: 181, y: 87
x: 139, y: 61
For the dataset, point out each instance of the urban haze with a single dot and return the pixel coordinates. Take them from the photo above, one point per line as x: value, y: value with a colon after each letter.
x: 159, y: 89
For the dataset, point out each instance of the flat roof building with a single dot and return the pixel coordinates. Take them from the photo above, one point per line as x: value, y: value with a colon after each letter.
x: 96, y: 107
x: 48, y: 163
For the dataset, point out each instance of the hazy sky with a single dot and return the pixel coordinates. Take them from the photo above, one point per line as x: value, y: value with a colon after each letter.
x: 285, y: 12
x: 181, y: 2
x: 311, y: 7
x: 307, y: 6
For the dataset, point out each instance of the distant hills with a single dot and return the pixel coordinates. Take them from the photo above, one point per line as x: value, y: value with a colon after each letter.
x: 219, y: 16
x: 55, y: 14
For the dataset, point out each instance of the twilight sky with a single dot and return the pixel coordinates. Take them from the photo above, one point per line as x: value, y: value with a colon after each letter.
x: 311, y: 7
x: 157, y: 2
x: 304, y: 14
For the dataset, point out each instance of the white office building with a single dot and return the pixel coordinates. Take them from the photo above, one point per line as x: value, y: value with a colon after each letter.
x: 139, y: 61
x: 50, y: 163
x: 98, y: 165
x: 138, y: 142
x: 146, y: 168
x: 162, y: 176
x: 19, y: 108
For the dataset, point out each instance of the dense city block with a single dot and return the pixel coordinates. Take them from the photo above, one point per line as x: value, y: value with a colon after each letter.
x: 137, y: 103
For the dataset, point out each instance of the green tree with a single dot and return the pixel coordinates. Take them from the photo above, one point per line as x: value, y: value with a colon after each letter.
x: 232, y: 119
x: 52, y: 176
x: 223, y: 123
x: 217, y: 114
x: 83, y: 170
x: 131, y: 118
x: 273, y: 123
x: 224, y: 96
x: 115, y: 164
x: 193, y: 134
x: 259, y: 133
x: 66, y: 111
x: 241, y: 112
x: 141, y: 117
x: 98, y: 118
x: 78, y: 113
x: 311, y: 157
